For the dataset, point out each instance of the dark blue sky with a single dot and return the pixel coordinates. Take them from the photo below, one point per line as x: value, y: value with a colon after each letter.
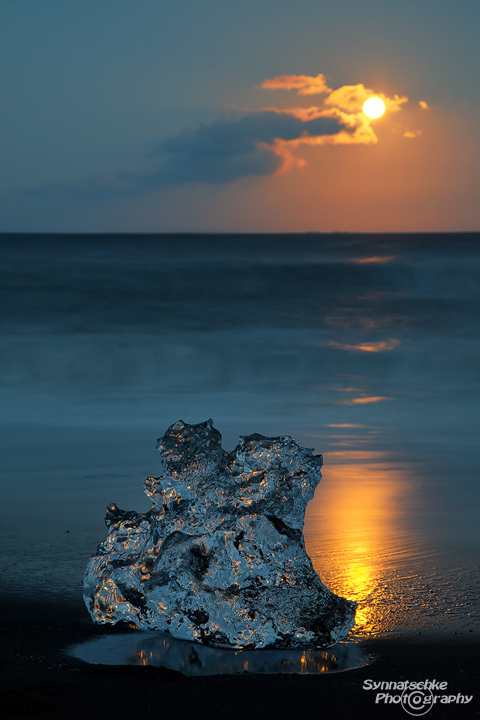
x: 91, y: 91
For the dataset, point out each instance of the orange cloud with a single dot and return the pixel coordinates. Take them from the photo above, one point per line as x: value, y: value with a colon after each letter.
x: 381, y: 346
x: 303, y: 84
x: 344, y: 104
x: 283, y: 148
x: 412, y: 133
x: 264, y: 141
x: 423, y: 105
x: 351, y: 98
x: 360, y: 131
x: 357, y: 132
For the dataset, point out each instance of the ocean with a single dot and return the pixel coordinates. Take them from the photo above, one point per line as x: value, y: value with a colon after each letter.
x: 363, y: 347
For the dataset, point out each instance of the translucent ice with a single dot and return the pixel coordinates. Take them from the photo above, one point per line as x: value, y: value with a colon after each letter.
x: 220, y: 557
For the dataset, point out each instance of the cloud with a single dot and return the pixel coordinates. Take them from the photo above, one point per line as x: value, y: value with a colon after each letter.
x: 350, y: 98
x: 231, y: 147
x: 303, y: 84
x: 263, y: 142
x: 424, y: 105
x: 259, y: 142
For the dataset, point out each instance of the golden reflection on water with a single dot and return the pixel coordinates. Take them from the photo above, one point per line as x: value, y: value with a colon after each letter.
x: 356, y: 531
x: 164, y: 650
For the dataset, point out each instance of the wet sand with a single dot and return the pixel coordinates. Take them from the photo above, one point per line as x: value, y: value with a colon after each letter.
x: 39, y: 679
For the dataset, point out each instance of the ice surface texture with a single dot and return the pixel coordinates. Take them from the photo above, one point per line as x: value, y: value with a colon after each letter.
x: 220, y: 558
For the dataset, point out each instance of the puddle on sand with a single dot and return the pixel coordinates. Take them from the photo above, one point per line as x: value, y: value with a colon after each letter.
x: 162, y: 650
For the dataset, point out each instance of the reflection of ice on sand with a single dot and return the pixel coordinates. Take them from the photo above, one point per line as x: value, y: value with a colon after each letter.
x: 162, y: 650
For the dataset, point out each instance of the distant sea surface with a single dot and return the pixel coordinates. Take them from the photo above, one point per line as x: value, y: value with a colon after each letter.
x: 364, y: 347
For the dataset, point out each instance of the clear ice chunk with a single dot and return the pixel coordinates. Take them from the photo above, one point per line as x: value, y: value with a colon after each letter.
x: 220, y: 558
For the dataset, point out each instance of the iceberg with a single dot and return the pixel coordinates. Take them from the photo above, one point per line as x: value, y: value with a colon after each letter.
x: 220, y: 558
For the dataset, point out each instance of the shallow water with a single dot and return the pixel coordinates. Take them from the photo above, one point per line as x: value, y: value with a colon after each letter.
x: 363, y: 347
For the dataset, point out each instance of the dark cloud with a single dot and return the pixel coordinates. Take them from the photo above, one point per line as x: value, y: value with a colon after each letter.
x: 230, y: 148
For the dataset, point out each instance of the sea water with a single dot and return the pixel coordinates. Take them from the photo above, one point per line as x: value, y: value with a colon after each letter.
x: 364, y: 347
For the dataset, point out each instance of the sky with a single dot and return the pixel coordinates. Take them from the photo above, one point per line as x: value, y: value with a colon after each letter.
x: 150, y: 116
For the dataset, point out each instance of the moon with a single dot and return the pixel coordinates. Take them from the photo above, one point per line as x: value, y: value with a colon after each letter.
x: 374, y: 107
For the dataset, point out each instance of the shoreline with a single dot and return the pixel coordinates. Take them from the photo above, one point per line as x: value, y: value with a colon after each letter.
x: 40, y: 679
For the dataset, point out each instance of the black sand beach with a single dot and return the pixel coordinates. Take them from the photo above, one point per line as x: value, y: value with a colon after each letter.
x: 364, y: 347
x: 40, y: 680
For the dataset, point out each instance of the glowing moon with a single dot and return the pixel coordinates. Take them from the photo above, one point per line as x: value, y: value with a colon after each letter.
x: 374, y: 107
